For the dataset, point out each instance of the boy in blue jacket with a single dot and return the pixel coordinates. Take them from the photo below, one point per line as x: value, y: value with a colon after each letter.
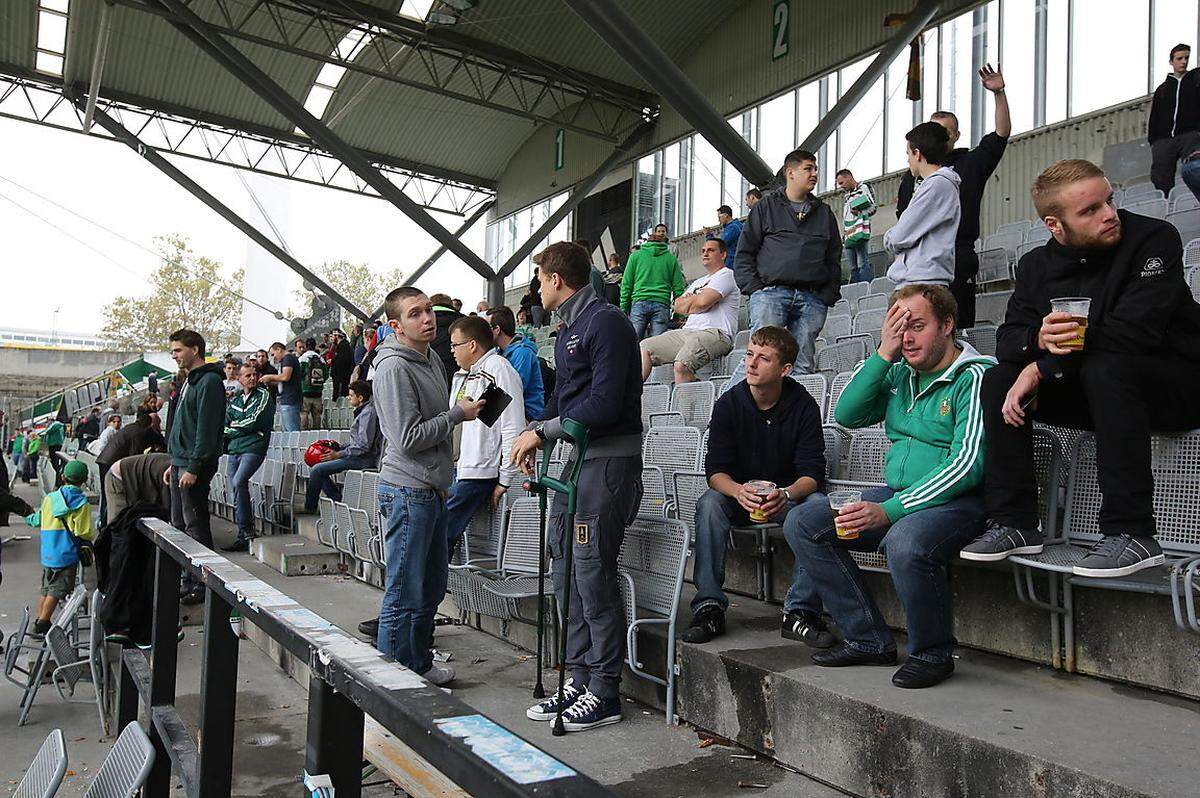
x: 64, y: 518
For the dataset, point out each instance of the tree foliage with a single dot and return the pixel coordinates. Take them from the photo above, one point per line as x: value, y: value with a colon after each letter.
x: 186, y: 290
x: 356, y: 282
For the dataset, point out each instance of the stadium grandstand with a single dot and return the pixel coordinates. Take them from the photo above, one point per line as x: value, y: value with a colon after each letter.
x: 274, y: 527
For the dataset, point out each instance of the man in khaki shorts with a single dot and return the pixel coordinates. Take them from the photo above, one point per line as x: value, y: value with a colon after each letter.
x: 711, y: 304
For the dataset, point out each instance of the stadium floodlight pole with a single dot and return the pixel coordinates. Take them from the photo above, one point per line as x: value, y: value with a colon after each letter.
x: 917, y: 19
x: 615, y: 27
x: 578, y: 195
x: 220, y: 50
x: 125, y: 136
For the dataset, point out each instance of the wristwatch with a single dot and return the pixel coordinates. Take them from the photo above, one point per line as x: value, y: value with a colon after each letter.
x: 539, y: 429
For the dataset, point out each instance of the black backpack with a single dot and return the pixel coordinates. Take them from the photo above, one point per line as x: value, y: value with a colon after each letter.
x: 314, y: 373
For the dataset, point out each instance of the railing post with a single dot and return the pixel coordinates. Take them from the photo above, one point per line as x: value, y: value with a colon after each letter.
x: 128, y: 698
x: 335, y: 738
x: 218, y: 699
x: 163, y: 659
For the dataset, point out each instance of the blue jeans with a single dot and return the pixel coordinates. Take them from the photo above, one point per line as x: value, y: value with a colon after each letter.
x: 716, y: 514
x: 860, y: 264
x: 649, y: 318
x: 466, y: 497
x: 801, y: 312
x: 416, y: 573
x: 918, y: 547
x: 1191, y: 176
x: 320, y: 479
x: 289, y: 416
x: 241, y: 468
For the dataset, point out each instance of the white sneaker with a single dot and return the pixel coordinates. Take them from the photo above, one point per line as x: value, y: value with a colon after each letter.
x: 439, y: 675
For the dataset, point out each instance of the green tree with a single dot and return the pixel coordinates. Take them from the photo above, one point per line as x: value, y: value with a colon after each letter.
x: 356, y: 282
x: 186, y: 290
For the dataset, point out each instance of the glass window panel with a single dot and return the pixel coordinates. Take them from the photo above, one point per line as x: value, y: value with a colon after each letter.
x: 957, y: 74
x: 899, y: 113
x: 733, y: 186
x: 49, y: 63
x: 1017, y: 60
x: 706, y: 183
x: 929, y: 71
x: 1104, y: 28
x: 647, y: 193
x: 318, y: 98
x: 777, y: 129
x: 670, y: 189
x: 57, y: 5
x: 330, y: 75
x: 52, y: 32
x: 860, y: 136
x: 808, y: 111
x: 1174, y: 23
x: 1056, y: 61
x: 991, y: 55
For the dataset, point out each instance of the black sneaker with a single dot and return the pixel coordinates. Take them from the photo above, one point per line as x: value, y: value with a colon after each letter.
x: 846, y: 655
x: 547, y: 709
x: 590, y: 711
x: 916, y: 674
x: 40, y: 627
x: 1120, y: 555
x: 369, y: 628
x: 241, y: 544
x: 1000, y: 540
x: 193, y: 596
x: 807, y: 629
x: 706, y: 624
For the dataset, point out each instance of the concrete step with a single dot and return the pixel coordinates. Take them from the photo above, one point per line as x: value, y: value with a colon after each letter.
x: 306, y: 527
x: 295, y: 555
x: 998, y: 727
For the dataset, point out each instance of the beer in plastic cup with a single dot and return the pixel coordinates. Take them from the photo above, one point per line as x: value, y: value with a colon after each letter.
x: 763, y: 489
x: 839, y: 499
x: 1078, y: 307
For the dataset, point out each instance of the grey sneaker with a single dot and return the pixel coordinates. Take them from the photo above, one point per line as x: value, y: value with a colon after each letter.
x: 1000, y: 541
x: 1120, y: 555
x: 439, y: 675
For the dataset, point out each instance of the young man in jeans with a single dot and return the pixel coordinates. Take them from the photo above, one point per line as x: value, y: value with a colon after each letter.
x: 925, y: 387
x: 789, y: 260
x: 195, y: 436
x: 287, y: 378
x: 361, y: 453
x: 417, y: 424
x: 249, y: 417
x: 651, y: 279
x: 766, y: 428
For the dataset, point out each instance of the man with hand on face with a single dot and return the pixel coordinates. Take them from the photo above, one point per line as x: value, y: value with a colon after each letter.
x: 484, y: 472
x: 599, y: 385
x: 1125, y: 364
x: 411, y: 391
x: 924, y: 386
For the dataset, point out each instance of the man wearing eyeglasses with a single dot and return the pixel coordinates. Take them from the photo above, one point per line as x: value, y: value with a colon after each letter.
x: 483, y: 471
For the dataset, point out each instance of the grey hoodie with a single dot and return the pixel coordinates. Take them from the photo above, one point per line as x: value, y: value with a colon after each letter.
x: 923, y: 241
x: 411, y: 398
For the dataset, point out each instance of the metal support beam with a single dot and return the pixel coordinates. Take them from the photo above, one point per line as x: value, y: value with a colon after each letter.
x: 232, y: 59
x: 578, y: 194
x: 495, y: 292
x: 98, y: 59
x: 618, y: 30
x: 118, y: 131
x: 918, y: 18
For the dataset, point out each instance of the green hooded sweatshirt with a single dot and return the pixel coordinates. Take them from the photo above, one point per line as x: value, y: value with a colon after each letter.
x: 196, y: 424
x: 248, y: 421
x: 936, y: 433
x: 651, y: 275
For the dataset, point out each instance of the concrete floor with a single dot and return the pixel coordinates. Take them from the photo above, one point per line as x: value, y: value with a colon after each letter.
x: 641, y: 756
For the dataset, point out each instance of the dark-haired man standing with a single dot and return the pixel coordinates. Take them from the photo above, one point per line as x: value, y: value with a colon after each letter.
x: 1174, y: 127
x: 600, y: 386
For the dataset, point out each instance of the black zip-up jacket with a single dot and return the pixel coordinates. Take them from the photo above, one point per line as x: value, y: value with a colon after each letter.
x: 1165, y: 121
x: 1140, y: 302
x: 781, y: 445
x: 974, y: 167
x: 776, y: 248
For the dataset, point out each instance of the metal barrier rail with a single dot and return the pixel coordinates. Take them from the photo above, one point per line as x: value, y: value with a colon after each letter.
x: 348, y: 678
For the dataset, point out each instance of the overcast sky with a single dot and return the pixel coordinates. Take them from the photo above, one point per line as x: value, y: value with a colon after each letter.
x: 109, y: 184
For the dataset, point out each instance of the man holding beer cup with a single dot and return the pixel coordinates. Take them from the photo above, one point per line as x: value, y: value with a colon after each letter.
x: 1101, y: 333
x: 924, y: 386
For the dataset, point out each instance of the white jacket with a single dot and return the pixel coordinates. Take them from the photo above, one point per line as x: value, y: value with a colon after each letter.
x: 484, y: 451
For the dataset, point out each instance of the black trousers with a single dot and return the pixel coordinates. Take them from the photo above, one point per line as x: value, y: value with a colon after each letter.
x: 1123, y: 398
x: 966, y: 269
x: 1166, y: 153
x: 341, y: 383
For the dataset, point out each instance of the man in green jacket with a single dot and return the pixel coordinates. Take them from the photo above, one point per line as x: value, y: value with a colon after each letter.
x: 195, y: 435
x: 56, y: 436
x: 249, y: 417
x: 924, y: 387
x: 651, y: 281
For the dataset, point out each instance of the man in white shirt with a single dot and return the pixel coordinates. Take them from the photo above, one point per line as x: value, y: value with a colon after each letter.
x: 484, y: 471
x: 711, y: 304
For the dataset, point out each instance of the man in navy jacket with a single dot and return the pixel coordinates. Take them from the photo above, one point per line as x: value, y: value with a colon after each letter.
x: 767, y: 428
x: 598, y: 384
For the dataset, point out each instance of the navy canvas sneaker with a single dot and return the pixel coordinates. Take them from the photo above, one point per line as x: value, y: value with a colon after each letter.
x: 590, y: 711
x: 1120, y: 555
x: 548, y: 708
x: 1000, y: 541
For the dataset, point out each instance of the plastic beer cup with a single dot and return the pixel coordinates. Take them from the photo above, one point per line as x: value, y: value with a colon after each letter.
x: 763, y: 489
x: 839, y: 499
x: 1078, y: 307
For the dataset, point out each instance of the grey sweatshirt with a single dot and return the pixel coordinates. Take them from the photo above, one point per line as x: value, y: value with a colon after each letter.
x: 411, y: 398
x: 923, y: 239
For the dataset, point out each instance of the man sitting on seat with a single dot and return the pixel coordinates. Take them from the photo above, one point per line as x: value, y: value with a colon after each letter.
x: 1129, y: 368
x: 766, y: 428
x: 925, y: 388
x: 362, y: 453
x: 711, y: 304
